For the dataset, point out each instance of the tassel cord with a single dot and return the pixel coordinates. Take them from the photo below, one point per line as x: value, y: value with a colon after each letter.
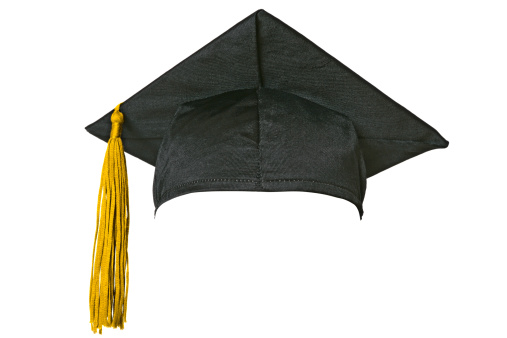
x: 109, y: 274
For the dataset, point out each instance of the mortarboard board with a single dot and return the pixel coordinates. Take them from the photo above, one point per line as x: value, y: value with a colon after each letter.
x: 259, y: 108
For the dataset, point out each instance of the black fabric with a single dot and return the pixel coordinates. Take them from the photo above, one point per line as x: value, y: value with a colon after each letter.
x: 262, y: 108
x: 259, y: 140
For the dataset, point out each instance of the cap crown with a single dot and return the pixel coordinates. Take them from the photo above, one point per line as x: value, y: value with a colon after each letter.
x: 259, y: 140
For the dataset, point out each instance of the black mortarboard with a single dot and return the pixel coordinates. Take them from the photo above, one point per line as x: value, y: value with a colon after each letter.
x: 260, y: 108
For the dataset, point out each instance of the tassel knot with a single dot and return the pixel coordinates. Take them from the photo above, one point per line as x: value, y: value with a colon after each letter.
x: 116, y: 123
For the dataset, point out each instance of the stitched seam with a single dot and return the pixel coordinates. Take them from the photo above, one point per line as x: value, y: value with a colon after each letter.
x: 164, y: 198
x: 164, y: 195
x: 253, y: 181
x: 260, y: 85
x: 259, y: 167
x: 212, y: 180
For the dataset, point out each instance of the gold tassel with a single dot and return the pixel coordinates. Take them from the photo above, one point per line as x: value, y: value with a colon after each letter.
x: 110, y: 274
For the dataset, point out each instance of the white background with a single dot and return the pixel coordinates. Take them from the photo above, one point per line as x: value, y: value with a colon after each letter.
x: 429, y: 258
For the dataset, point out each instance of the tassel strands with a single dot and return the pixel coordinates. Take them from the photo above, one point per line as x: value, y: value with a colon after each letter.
x: 110, y: 274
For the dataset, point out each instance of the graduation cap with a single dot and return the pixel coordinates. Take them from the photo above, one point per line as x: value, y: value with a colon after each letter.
x: 259, y: 108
